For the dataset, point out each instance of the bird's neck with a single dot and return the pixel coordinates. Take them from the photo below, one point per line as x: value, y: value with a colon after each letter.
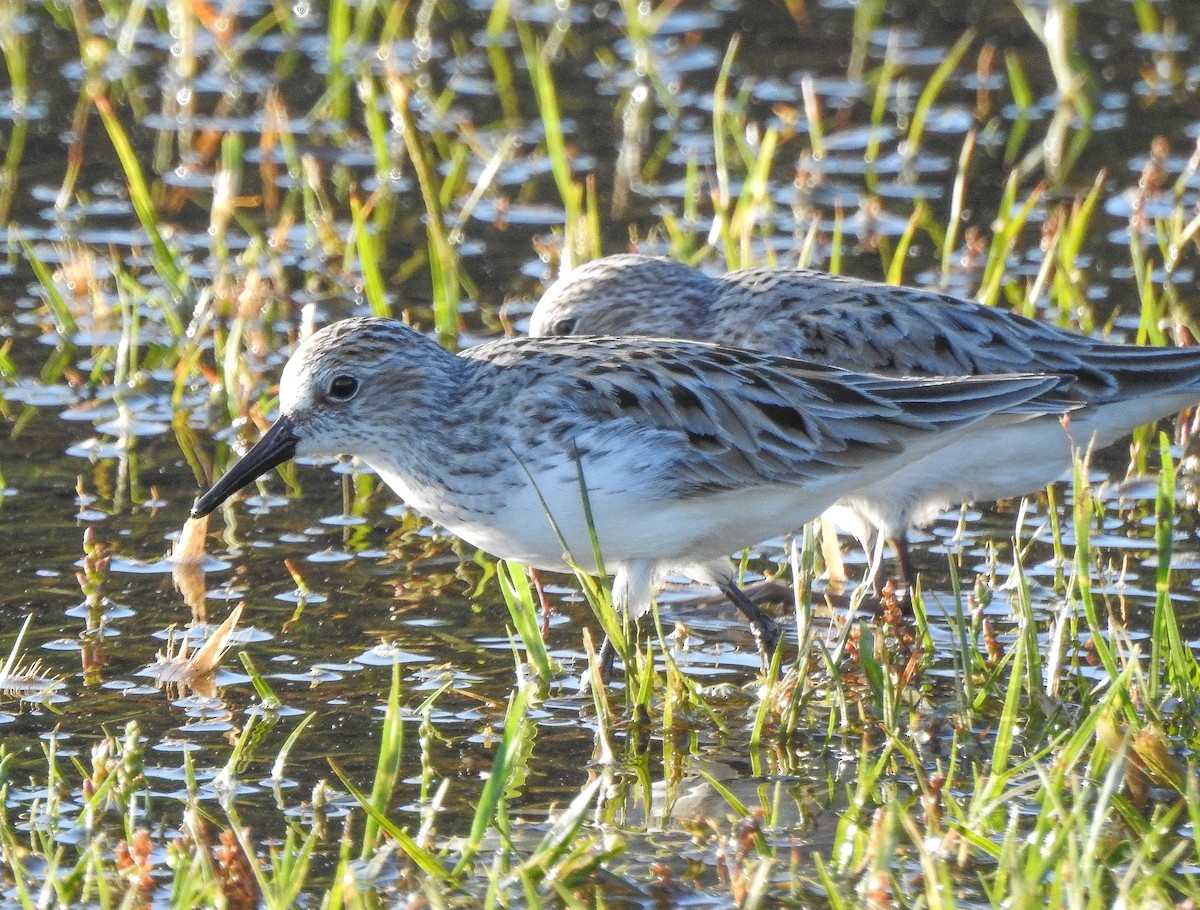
x: 439, y: 455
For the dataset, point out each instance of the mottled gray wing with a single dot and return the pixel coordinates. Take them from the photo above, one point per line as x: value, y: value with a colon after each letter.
x: 874, y: 327
x: 729, y: 419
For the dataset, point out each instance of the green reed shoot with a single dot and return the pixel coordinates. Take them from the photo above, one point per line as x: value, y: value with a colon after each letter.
x: 266, y: 694
x: 867, y: 18
x: 286, y: 750
x: 1022, y: 94
x: 506, y: 777
x: 1032, y: 682
x: 1010, y: 221
x: 884, y: 84
x: 957, y: 199
x: 595, y: 590
x: 1181, y: 238
x: 366, y: 244
x: 1037, y: 289
x: 63, y: 317
x: 387, y: 770
x: 226, y: 185
x: 578, y: 246
x: 497, y: 159
x: 724, y: 195
x: 443, y: 259
x: 1082, y: 519
x: 337, y: 93
x: 377, y: 803
x: 754, y: 206
x: 933, y: 88
x: 14, y: 41
x: 522, y: 607
x: 10, y: 169
x: 598, y: 594
x: 895, y: 260
x: 502, y: 70
x: 143, y: 205
x: 286, y: 875
x: 566, y: 826
x: 642, y: 22
x: 1172, y: 662
x: 812, y: 115
x: 1056, y: 29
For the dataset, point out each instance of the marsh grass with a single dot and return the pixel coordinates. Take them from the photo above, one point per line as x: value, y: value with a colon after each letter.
x: 14, y: 42
x: 518, y: 592
x: 1054, y: 767
x: 1028, y: 772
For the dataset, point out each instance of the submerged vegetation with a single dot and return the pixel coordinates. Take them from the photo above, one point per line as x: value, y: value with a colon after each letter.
x: 392, y: 718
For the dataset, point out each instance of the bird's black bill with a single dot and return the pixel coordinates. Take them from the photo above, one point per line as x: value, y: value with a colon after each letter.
x: 276, y: 447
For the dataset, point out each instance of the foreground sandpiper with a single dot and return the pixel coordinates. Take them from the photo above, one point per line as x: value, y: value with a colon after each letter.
x: 687, y: 451
x: 900, y: 331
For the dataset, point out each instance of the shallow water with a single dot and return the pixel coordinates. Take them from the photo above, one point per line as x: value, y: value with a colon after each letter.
x: 101, y: 436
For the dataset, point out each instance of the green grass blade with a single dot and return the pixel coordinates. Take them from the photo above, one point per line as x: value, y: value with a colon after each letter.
x: 427, y: 862
x: 367, y: 248
x: 143, y: 206
x: 933, y: 88
x: 522, y: 607
x: 387, y: 769
x: 58, y: 305
x: 513, y: 741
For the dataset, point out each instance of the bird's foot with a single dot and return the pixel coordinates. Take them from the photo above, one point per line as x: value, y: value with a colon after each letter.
x: 767, y: 637
x: 605, y: 661
x: 766, y: 632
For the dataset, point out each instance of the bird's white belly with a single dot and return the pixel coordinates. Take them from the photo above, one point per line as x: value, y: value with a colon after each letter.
x: 993, y: 463
x: 629, y: 524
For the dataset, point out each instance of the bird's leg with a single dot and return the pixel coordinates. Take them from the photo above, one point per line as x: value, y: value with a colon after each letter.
x: 541, y: 593
x: 605, y: 660
x: 874, y: 563
x: 904, y: 561
x: 765, y: 632
x: 907, y: 574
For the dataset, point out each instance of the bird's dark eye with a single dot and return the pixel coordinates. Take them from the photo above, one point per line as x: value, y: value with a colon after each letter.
x: 343, y: 388
x: 566, y: 326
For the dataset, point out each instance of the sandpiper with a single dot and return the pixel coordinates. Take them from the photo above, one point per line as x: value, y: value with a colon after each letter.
x: 687, y: 451
x: 900, y: 331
